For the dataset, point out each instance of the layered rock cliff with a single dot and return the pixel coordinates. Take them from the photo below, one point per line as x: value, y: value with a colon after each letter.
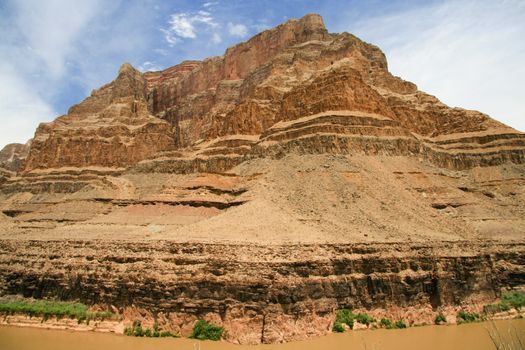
x: 111, y: 128
x: 263, y: 190
x: 293, y: 71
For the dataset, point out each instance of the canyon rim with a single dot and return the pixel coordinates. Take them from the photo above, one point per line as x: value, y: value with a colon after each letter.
x: 263, y: 190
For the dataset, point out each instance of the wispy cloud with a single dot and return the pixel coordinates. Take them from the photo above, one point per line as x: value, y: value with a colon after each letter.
x: 210, y: 4
x: 49, y: 33
x: 36, y: 53
x: 237, y: 30
x: 184, y: 25
x: 216, y: 38
x: 21, y: 108
x: 467, y: 53
x: 149, y: 66
x: 170, y: 36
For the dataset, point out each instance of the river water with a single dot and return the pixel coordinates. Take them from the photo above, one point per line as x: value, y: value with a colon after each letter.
x: 467, y: 336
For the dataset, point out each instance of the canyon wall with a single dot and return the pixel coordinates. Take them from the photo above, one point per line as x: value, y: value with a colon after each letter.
x: 291, y: 292
x: 292, y: 71
x: 263, y: 190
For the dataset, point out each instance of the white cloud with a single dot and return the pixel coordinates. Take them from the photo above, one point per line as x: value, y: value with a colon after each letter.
x: 184, y: 25
x: 35, y: 52
x: 210, y: 4
x: 170, y: 37
x: 49, y: 32
x: 149, y: 66
x: 216, y: 38
x: 468, y: 53
x: 21, y: 109
x: 237, y: 30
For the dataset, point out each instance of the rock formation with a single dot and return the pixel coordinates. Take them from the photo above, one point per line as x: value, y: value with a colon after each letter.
x: 12, y: 156
x: 263, y: 190
x: 111, y: 128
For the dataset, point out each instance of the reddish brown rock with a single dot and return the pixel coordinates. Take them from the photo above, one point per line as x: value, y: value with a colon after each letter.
x: 111, y: 128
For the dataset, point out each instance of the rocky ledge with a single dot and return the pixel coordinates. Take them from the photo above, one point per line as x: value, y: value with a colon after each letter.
x: 262, y: 293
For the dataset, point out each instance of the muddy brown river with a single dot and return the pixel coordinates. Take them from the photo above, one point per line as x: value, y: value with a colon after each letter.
x: 468, y: 336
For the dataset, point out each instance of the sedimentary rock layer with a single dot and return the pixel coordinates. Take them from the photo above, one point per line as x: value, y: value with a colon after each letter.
x: 259, y: 293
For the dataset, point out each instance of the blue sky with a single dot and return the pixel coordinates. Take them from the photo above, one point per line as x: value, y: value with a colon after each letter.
x: 54, y: 52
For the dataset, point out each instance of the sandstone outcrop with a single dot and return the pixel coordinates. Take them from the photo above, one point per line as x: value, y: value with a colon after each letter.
x: 13, y: 155
x: 263, y: 190
x: 111, y: 128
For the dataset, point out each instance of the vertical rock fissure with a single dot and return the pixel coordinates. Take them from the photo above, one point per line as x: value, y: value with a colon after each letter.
x: 262, y: 329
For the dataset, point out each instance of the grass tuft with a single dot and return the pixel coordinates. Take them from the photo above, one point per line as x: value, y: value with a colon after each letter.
x: 514, y: 299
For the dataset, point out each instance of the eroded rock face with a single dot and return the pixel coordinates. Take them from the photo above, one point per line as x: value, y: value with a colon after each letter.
x: 13, y: 155
x: 111, y: 128
x: 263, y: 190
x: 290, y: 293
x: 290, y: 72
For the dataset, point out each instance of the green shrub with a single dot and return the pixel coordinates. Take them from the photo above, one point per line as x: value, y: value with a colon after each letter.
x: 467, y: 317
x: 440, y: 318
x: 343, y: 316
x: 400, y: 324
x: 508, y: 300
x: 206, y: 331
x: 514, y: 299
x: 364, y: 319
x: 136, y: 330
x: 495, y: 308
x: 167, y: 334
x: 48, y: 308
x: 346, y: 316
x: 156, y: 330
x: 385, y: 322
x: 338, y: 327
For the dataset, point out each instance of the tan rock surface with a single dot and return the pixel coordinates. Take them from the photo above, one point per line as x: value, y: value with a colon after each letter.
x: 263, y: 190
x: 111, y: 128
x: 13, y: 155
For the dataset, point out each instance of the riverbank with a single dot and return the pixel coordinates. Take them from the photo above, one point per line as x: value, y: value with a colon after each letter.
x: 105, y: 326
x: 261, y: 293
x: 466, y: 336
x: 356, y: 321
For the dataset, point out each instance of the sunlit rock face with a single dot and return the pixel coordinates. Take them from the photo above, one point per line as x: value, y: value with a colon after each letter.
x: 293, y: 71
